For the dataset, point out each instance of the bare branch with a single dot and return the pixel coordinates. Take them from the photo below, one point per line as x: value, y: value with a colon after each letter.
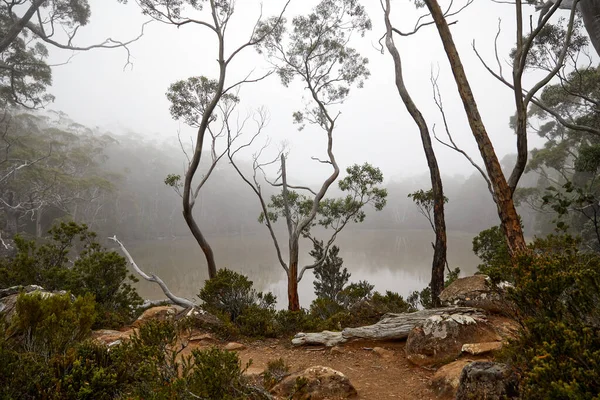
x: 153, y: 278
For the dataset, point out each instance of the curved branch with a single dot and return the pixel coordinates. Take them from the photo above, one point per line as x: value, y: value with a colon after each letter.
x: 153, y: 278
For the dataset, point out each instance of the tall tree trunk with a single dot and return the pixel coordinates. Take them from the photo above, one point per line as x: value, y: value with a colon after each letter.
x: 439, y: 254
x: 293, y: 299
x: 206, y: 249
x: 502, y: 191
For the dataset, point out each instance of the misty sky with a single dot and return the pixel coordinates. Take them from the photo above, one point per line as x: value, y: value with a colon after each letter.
x: 95, y: 90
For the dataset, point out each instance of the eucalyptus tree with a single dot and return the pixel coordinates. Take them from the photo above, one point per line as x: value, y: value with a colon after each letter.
x: 196, y: 99
x: 26, y: 27
x: 315, y: 51
x: 503, y: 187
x: 437, y: 198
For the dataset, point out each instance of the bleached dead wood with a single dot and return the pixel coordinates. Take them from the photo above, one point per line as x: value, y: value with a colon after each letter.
x: 390, y: 327
x: 153, y: 278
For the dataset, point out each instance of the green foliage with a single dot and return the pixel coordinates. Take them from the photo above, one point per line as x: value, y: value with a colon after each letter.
x: 150, y: 365
x: 50, y: 325
x: 330, y: 277
x: 491, y: 248
x: 230, y: 296
x: 73, y: 260
x: 556, y: 295
x: 275, y: 372
x: 425, y: 203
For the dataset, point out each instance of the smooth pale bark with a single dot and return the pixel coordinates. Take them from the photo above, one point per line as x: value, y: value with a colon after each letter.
x: 390, y: 327
x: 502, y: 191
x: 153, y: 278
x: 440, y: 247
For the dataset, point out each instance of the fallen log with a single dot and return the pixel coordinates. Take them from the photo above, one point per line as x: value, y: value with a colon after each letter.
x: 390, y: 327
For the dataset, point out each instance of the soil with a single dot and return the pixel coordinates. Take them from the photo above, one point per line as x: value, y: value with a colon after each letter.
x: 374, y: 376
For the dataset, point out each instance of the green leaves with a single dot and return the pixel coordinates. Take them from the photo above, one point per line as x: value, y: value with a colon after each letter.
x: 190, y: 98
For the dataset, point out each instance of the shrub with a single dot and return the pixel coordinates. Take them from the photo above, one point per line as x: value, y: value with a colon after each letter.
x: 291, y: 322
x: 330, y: 277
x: 231, y: 297
x: 73, y: 260
x: 491, y: 248
x: 275, y: 372
x: 556, y: 294
x: 50, y: 325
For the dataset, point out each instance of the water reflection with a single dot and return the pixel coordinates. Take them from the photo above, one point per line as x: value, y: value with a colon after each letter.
x: 389, y: 259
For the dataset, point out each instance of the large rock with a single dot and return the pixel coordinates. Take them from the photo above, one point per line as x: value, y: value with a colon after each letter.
x: 486, y: 380
x: 446, y: 379
x: 110, y: 337
x: 475, y: 291
x: 160, y: 313
x: 439, y: 339
x: 315, y: 383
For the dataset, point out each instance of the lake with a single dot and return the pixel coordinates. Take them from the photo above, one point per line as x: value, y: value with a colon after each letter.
x: 396, y: 260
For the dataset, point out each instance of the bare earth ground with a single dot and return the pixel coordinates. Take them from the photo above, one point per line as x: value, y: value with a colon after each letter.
x: 373, y: 376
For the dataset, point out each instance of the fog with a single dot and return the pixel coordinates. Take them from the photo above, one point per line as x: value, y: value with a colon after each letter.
x: 95, y: 89
x: 119, y: 95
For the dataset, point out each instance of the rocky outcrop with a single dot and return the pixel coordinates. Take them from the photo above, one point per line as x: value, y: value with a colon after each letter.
x: 315, y: 383
x: 160, y: 313
x: 446, y: 379
x: 476, y: 291
x: 390, y: 327
x: 439, y: 339
x: 486, y: 380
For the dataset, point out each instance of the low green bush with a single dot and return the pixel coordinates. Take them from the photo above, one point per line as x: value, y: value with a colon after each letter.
x: 73, y: 260
x: 49, y: 325
x: 557, y: 296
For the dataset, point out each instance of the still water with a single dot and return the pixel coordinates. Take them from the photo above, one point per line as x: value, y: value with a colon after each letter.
x: 396, y: 260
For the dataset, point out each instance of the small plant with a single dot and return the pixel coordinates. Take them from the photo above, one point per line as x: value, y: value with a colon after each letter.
x: 275, y: 372
x: 231, y: 297
x: 330, y: 277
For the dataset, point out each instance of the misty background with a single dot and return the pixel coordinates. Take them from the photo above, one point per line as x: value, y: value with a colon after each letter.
x: 102, y: 95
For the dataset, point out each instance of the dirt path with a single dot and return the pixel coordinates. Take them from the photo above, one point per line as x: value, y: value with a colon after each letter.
x: 374, y: 377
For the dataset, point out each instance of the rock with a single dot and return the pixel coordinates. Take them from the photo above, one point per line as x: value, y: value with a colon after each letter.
x: 440, y: 338
x: 327, y: 338
x: 206, y: 337
x: 383, y: 353
x: 233, y: 346
x: 446, y: 379
x: 110, y: 337
x: 315, y: 383
x: 337, y: 350
x: 481, y: 348
x: 487, y: 380
x: 253, y: 372
x: 160, y: 313
x: 475, y: 291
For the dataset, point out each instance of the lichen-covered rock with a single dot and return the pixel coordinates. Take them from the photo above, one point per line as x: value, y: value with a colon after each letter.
x: 315, y: 383
x: 475, y: 291
x: 446, y: 379
x: 486, y: 380
x: 439, y: 339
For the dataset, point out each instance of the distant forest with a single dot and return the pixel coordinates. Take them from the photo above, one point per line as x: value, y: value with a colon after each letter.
x: 115, y: 184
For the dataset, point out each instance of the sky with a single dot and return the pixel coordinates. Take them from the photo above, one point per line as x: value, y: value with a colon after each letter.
x: 95, y: 89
